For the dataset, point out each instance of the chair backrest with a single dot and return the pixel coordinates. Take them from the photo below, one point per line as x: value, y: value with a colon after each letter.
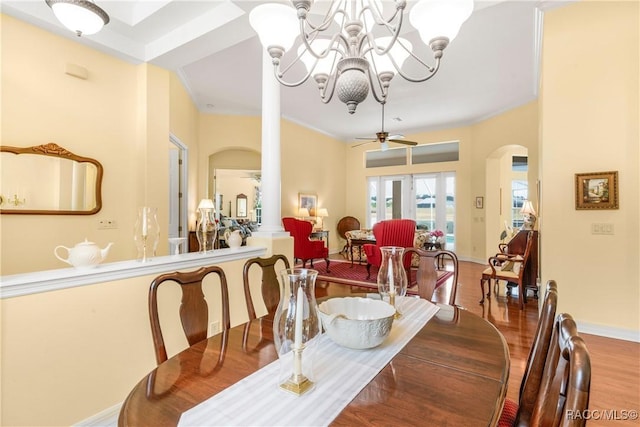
x: 347, y: 223
x: 299, y: 230
x: 194, y: 311
x: 270, y: 286
x: 534, y: 368
x: 566, y: 379
x: 527, y: 253
x: 427, y: 275
x: 395, y: 232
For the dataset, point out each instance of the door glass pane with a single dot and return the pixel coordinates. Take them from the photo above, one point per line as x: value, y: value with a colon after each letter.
x: 450, y: 227
x: 425, y: 202
x: 373, y: 205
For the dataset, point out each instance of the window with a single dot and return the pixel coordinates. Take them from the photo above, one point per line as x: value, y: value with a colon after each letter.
x: 429, y: 199
x: 519, y: 193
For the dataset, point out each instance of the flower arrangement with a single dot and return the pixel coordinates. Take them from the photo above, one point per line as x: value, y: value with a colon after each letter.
x: 436, y: 233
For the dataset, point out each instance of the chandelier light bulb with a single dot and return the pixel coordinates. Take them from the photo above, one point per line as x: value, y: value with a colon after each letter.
x: 437, y: 18
x: 276, y: 25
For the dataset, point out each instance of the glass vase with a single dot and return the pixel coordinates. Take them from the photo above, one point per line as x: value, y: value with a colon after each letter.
x: 146, y: 233
x: 295, y: 325
x: 206, y: 230
x: 392, y: 277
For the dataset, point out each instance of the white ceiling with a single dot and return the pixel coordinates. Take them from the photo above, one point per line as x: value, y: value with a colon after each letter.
x: 489, y: 68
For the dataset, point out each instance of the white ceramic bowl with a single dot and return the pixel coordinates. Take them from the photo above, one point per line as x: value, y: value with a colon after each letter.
x: 357, y: 323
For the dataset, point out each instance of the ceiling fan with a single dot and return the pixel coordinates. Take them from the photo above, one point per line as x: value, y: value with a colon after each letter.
x: 384, y: 138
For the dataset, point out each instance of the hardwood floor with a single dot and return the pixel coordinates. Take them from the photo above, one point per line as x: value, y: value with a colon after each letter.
x: 615, y: 364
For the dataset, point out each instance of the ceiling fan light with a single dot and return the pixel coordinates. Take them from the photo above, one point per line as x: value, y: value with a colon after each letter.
x: 440, y: 18
x: 384, y: 146
x: 276, y: 24
x: 79, y: 16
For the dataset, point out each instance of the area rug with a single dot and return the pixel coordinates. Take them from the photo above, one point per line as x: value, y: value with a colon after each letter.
x: 342, y: 272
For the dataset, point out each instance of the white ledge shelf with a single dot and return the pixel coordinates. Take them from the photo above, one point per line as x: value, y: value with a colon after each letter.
x: 51, y: 280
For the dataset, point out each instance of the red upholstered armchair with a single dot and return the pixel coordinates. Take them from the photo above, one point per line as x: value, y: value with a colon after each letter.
x: 303, y: 247
x: 392, y: 232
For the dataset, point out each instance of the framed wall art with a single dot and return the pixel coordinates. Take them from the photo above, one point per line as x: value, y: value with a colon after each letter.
x: 597, y: 190
x: 308, y: 201
x: 479, y: 202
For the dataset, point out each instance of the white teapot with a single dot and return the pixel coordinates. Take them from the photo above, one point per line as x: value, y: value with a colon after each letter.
x: 84, y: 255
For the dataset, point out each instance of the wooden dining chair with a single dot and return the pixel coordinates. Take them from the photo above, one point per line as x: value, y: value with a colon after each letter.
x: 566, y: 379
x: 498, y: 270
x: 270, y: 285
x: 194, y: 310
x: 270, y: 291
x: 427, y: 275
x: 519, y: 413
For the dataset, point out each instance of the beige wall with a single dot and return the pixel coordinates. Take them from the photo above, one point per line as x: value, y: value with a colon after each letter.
x: 590, y: 118
x: 119, y: 116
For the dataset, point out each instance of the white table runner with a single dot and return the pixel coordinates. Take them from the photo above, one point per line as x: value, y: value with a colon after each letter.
x: 340, y: 375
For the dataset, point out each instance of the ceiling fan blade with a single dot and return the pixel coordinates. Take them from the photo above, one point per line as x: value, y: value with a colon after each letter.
x: 396, y: 136
x: 402, y: 141
x: 363, y: 143
x: 371, y: 138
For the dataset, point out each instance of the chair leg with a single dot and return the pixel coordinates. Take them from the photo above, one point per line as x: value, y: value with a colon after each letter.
x: 521, y: 296
x: 482, y: 290
x: 327, y: 261
x: 368, y: 270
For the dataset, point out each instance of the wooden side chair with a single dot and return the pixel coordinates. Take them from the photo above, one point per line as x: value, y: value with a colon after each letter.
x: 270, y: 286
x: 566, y: 379
x: 519, y: 414
x: 347, y: 223
x: 427, y: 275
x: 270, y: 291
x: 510, y: 268
x: 194, y: 311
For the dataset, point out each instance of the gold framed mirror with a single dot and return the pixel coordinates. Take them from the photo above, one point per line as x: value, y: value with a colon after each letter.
x: 241, y: 206
x: 49, y: 180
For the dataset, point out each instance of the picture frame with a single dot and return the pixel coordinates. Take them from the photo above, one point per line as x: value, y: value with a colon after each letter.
x: 309, y: 201
x: 479, y: 202
x: 597, y: 190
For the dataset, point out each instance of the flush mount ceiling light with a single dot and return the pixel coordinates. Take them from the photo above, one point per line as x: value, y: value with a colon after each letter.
x: 83, y: 17
x: 355, y: 47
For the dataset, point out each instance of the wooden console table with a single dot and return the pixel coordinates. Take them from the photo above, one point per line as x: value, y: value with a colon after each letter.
x: 320, y: 235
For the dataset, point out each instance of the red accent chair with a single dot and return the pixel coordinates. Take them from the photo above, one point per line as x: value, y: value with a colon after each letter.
x: 392, y: 232
x: 304, y: 248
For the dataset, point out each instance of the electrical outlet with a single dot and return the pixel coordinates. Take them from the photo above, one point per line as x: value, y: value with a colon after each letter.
x: 214, y: 328
x: 107, y: 224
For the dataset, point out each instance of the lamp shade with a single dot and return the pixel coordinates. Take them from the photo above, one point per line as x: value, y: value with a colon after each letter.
x: 527, y: 208
x: 323, y: 212
x: 80, y: 16
x: 303, y: 212
x: 206, y: 204
x: 276, y: 24
x: 324, y: 64
x: 440, y: 18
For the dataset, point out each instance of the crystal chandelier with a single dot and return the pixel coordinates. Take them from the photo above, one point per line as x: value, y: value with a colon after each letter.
x: 354, y: 47
x: 83, y: 17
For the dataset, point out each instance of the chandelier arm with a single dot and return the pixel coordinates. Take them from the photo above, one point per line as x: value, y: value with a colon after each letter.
x: 279, y: 76
x: 323, y: 96
x: 432, y: 70
x: 326, y: 23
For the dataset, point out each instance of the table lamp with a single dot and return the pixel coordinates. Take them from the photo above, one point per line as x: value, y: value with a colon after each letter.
x: 303, y: 213
x: 322, y: 213
x: 528, y: 214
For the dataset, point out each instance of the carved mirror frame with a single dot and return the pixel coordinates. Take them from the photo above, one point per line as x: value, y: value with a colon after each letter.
x: 53, y: 150
x: 241, y: 206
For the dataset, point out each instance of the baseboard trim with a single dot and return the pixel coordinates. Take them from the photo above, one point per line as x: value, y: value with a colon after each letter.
x: 608, y: 331
x: 106, y: 418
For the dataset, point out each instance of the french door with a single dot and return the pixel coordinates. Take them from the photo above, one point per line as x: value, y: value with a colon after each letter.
x: 429, y: 199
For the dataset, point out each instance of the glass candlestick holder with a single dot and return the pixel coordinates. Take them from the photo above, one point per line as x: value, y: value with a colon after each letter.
x: 206, y: 227
x: 295, y: 325
x: 392, y: 278
x: 146, y: 233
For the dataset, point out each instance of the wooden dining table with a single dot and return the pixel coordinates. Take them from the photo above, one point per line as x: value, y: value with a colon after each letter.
x: 454, y: 371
